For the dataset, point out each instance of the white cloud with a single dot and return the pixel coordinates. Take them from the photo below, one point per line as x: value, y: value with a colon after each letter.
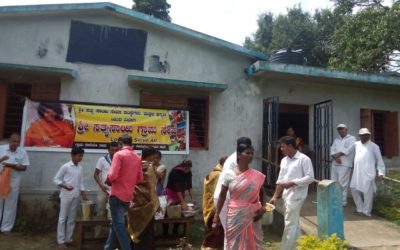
x: 231, y: 20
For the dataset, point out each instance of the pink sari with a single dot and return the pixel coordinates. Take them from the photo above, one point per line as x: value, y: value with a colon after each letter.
x: 241, y: 231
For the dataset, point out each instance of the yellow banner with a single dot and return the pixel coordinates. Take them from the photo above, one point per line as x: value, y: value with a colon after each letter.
x: 94, y: 126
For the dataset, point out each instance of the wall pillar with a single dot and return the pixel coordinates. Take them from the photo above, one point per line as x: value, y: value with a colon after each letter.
x: 329, y: 209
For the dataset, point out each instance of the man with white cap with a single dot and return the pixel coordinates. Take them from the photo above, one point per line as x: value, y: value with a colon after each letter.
x: 342, y: 153
x: 367, y: 159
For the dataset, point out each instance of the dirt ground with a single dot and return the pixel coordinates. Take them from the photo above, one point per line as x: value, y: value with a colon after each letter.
x: 47, y: 241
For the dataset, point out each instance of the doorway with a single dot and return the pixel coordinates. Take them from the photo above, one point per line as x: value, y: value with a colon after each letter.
x: 277, y: 117
x: 296, y: 117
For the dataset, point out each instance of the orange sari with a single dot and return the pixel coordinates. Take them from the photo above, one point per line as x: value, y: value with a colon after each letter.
x: 241, y: 231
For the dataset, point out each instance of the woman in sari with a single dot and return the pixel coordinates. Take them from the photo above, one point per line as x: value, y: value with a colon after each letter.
x: 50, y: 130
x: 145, y: 204
x: 243, y: 224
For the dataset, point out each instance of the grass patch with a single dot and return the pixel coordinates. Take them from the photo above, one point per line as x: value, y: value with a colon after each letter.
x: 387, y: 200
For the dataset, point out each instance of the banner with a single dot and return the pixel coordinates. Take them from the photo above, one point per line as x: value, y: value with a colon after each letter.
x: 63, y: 125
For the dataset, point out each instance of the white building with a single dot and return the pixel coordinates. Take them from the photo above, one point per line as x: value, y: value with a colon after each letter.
x: 181, y: 68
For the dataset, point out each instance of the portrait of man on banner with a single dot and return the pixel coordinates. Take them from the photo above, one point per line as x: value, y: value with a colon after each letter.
x: 49, y: 124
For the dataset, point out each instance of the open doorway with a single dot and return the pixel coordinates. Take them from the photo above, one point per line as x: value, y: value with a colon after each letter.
x: 296, y: 117
x: 277, y: 117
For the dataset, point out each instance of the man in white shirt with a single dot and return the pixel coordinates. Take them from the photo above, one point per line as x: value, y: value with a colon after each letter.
x: 295, y: 175
x: 229, y: 164
x: 342, y: 153
x: 368, y: 158
x: 13, y: 161
x: 70, y: 179
x: 100, y: 174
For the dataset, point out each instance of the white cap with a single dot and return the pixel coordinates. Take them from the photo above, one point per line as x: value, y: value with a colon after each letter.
x: 341, y: 125
x: 364, y: 131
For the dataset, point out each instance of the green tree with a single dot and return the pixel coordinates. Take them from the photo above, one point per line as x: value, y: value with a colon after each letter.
x: 347, y: 6
x: 263, y: 36
x: 327, y: 22
x: 356, y: 35
x: 155, y: 8
x: 368, y: 40
x: 295, y: 30
x: 298, y: 30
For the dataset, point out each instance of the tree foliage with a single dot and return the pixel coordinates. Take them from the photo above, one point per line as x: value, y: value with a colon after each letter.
x: 297, y: 29
x: 156, y: 8
x: 369, y: 40
x: 357, y: 35
x: 263, y: 36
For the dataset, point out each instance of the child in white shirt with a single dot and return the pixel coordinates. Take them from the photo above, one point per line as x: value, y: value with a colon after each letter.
x: 70, y: 179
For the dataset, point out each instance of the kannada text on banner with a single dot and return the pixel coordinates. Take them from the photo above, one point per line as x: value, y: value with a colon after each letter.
x: 93, y: 126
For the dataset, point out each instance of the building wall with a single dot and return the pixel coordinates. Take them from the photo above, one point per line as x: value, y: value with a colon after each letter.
x: 347, y: 101
x: 189, y: 60
x: 234, y: 112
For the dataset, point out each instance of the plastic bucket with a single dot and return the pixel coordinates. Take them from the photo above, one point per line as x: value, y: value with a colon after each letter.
x: 87, y: 209
x: 268, y: 216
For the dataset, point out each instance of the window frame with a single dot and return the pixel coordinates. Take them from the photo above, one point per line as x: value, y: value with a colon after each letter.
x: 390, y: 130
x: 182, y: 95
x: 40, y: 90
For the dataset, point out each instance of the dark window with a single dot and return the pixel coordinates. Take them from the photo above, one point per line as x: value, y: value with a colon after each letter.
x: 106, y: 45
x: 384, y: 130
x: 12, y: 99
x: 379, y: 130
x: 14, y: 107
x: 198, y: 114
x: 198, y: 110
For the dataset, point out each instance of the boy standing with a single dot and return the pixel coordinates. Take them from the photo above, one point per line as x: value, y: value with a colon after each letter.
x: 100, y: 174
x: 70, y: 179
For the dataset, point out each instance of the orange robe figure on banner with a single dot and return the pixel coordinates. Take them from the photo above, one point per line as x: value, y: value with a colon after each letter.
x: 50, y: 130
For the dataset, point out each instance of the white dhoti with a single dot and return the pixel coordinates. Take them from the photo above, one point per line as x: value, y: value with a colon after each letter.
x: 8, y: 207
x: 368, y: 158
x: 66, y: 219
x: 364, y: 200
x: 292, y: 229
x: 342, y: 175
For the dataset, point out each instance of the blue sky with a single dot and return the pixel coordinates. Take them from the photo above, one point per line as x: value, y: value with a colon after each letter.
x: 230, y: 20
